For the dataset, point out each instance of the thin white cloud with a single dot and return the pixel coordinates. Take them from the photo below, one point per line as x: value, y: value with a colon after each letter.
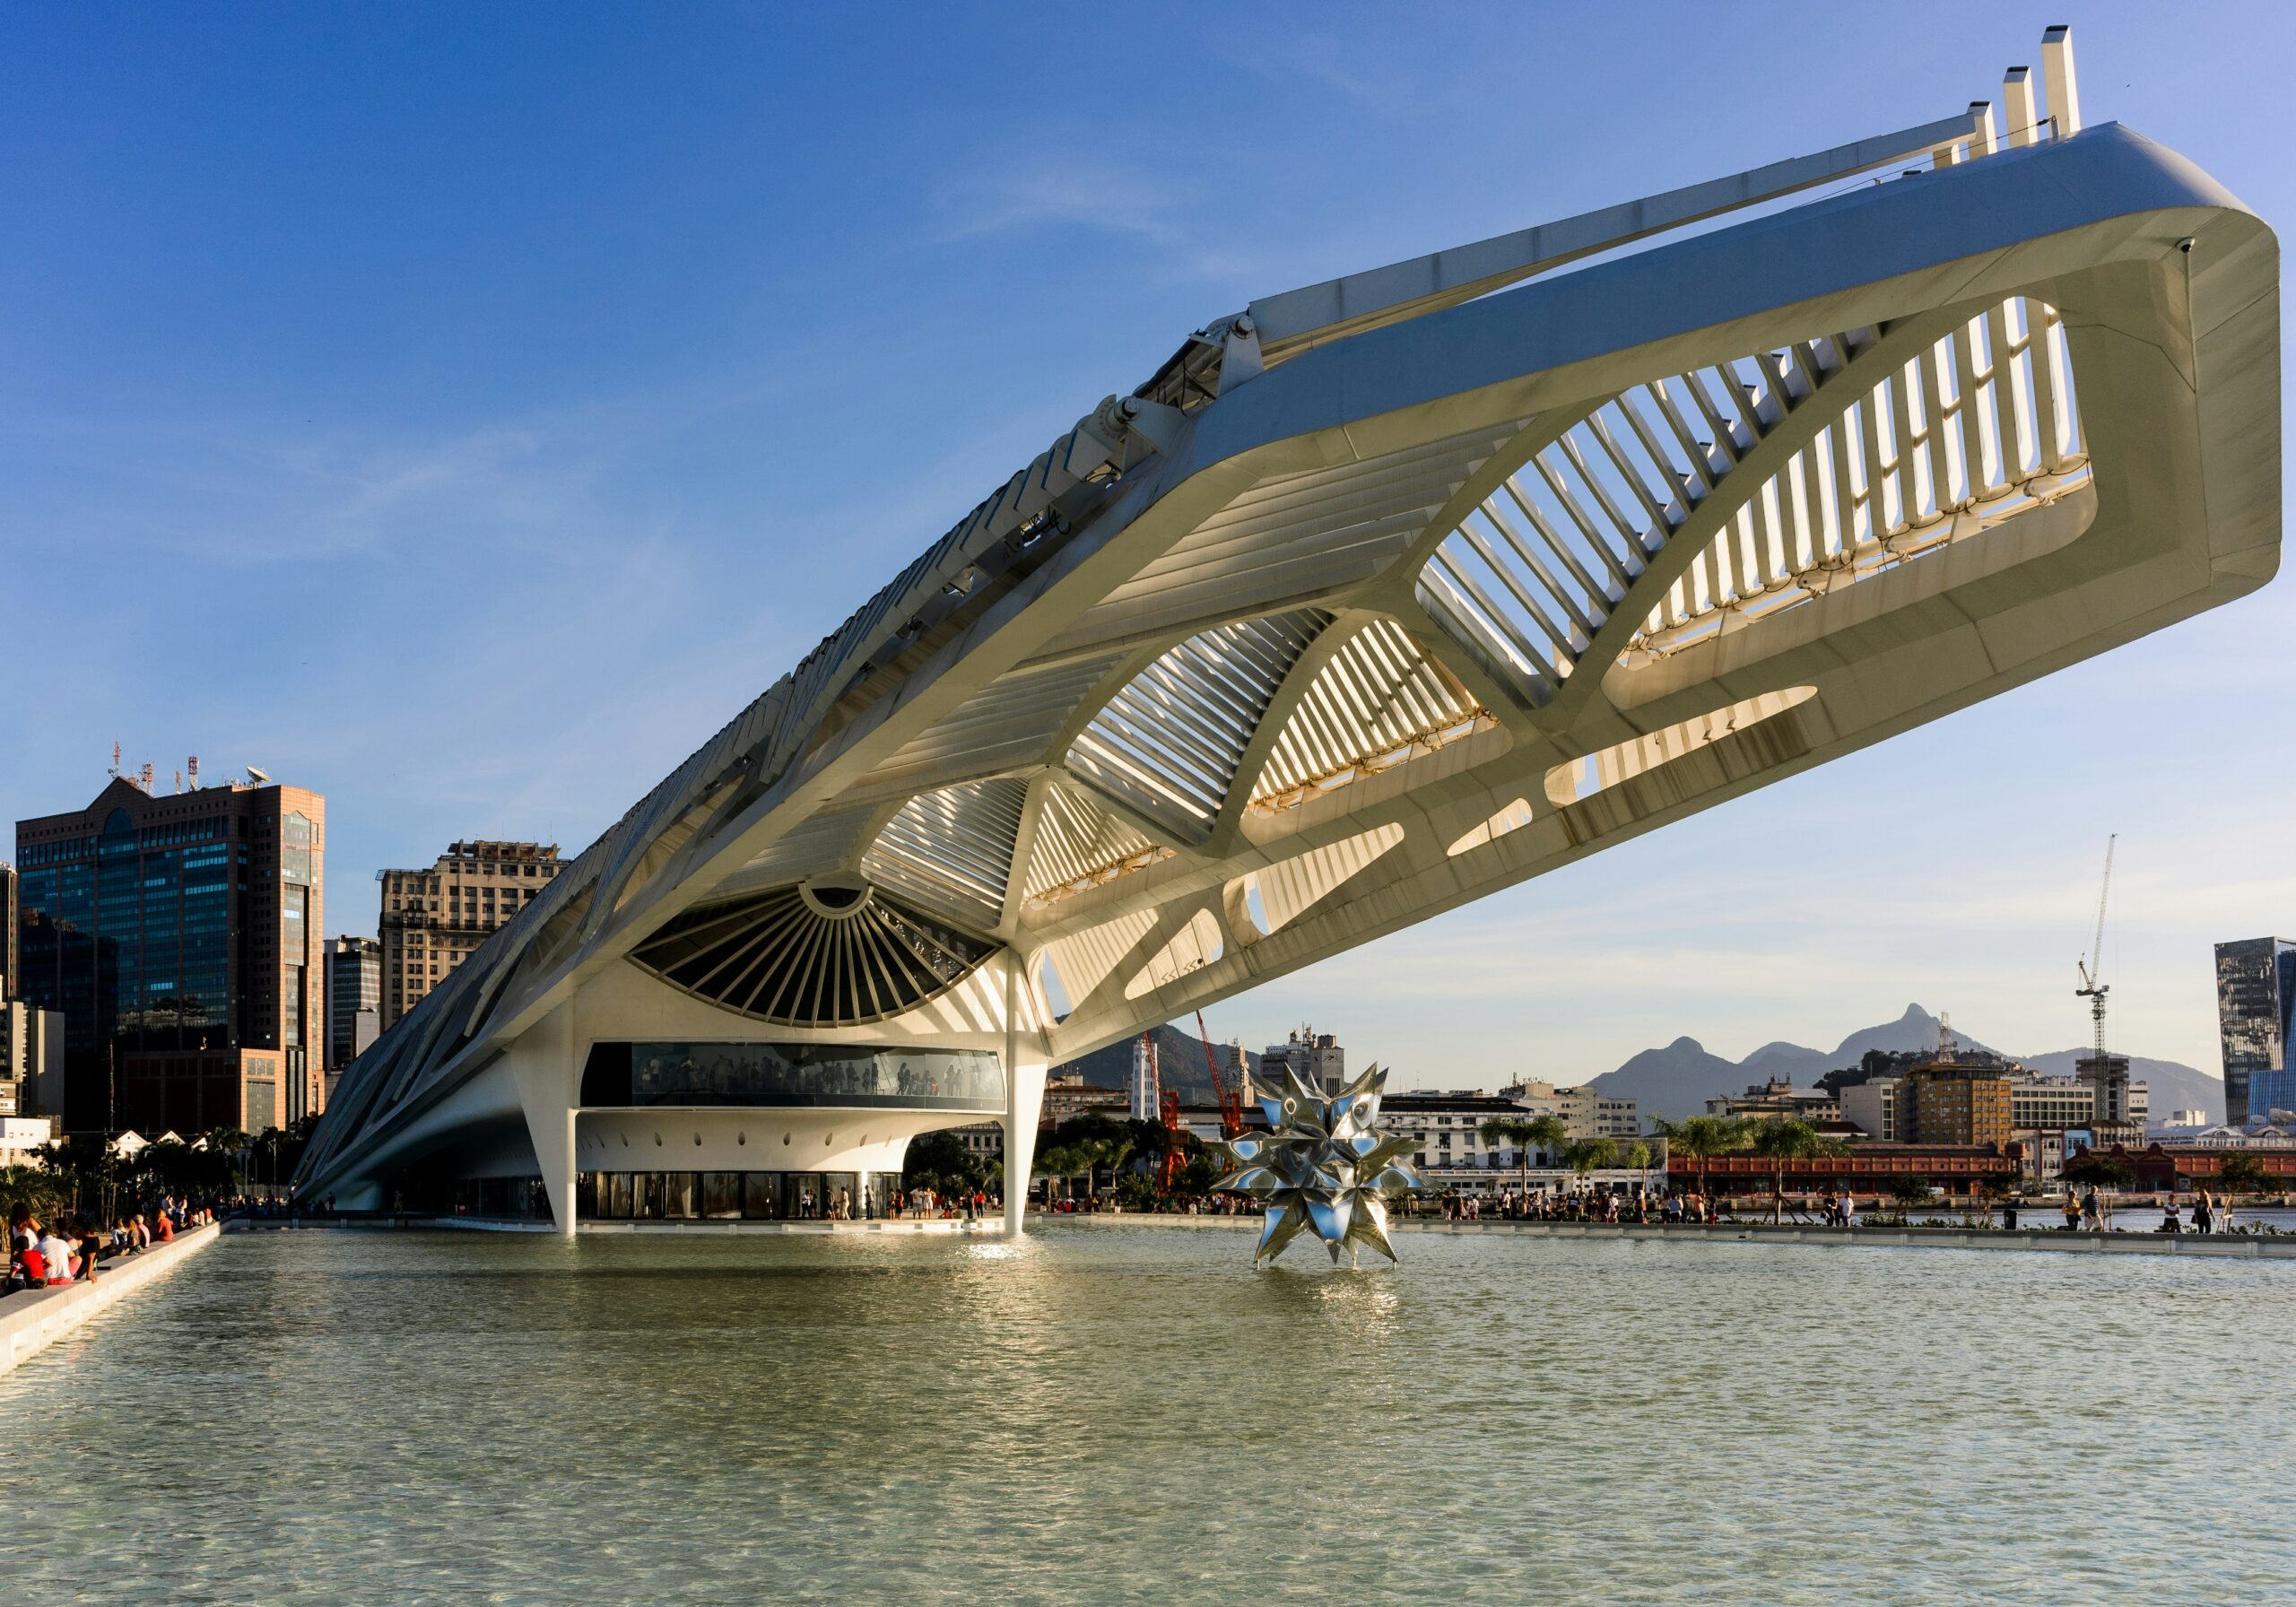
x: 1059, y: 192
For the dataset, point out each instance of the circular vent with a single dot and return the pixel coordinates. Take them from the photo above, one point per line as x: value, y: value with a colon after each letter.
x: 782, y: 957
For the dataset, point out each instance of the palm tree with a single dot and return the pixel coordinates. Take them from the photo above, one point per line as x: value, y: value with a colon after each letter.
x: 2238, y: 1174
x: 31, y: 1187
x: 1058, y: 1165
x: 1546, y: 1132
x: 1702, y: 1138
x: 1993, y: 1189
x: 1638, y: 1157
x: 232, y: 1142
x: 1112, y: 1153
x: 1585, y: 1156
x: 1085, y: 1158
x: 1782, y: 1140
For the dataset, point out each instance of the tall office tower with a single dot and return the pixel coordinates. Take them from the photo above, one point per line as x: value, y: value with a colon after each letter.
x: 434, y: 919
x: 8, y: 918
x: 178, y: 935
x: 1316, y: 1055
x: 1147, y: 1087
x: 355, y: 982
x: 2255, y: 985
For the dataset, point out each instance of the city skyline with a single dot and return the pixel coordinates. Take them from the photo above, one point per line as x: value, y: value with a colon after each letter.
x: 563, y: 532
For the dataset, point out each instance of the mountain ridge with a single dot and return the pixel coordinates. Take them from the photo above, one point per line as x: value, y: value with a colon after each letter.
x: 1678, y: 1078
x: 1179, y: 1065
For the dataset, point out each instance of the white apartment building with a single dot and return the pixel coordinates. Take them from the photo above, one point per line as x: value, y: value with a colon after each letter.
x: 1586, y: 1113
x: 1316, y: 1056
x: 1450, y: 1150
x: 1873, y: 1106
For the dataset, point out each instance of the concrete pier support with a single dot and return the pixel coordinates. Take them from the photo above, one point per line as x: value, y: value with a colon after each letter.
x: 542, y: 1064
x: 1025, y: 1065
x: 1024, y: 1107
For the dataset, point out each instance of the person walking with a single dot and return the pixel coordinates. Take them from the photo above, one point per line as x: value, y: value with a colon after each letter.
x: 2203, y: 1213
x: 2093, y: 1211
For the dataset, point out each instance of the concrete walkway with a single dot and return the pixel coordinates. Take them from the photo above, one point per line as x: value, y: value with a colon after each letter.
x: 993, y: 1222
x: 2236, y: 1247
x: 32, y: 1320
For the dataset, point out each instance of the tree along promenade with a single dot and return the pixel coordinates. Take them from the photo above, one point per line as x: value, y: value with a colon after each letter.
x: 32, y: 1319
x: 2234, y: 1246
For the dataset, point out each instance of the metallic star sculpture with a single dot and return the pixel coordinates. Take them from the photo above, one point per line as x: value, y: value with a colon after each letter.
x: 1323, y: 1163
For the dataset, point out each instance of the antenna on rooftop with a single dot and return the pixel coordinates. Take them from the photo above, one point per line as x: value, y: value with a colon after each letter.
x: 259, y: 777
x: 194, y: 772
x: 115, y: 760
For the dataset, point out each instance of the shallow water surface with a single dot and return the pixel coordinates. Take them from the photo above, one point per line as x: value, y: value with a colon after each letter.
x: 1116, y: 1412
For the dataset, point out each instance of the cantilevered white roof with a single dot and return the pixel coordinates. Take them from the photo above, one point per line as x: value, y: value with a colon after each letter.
x: 1397, y: 590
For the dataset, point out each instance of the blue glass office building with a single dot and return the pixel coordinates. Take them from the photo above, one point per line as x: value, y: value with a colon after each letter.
x: 2255, y: 985
x: 178, y: 934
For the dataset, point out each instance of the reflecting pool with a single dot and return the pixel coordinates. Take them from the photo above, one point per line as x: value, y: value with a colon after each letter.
x: 1126, y: 1412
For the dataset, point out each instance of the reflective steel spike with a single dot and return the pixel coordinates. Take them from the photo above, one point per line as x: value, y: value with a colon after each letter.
x: 1325, y: 1164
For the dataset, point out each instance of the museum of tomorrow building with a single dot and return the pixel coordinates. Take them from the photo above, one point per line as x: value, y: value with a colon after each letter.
x: 1380, y: 597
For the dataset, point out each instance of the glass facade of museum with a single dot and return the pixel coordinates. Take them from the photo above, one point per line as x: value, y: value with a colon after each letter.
x: 689, y: 1196
x: 763, y: 1075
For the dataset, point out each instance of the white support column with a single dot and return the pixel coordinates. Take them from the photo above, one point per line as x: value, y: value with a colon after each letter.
x: 1986, y: 140
x: 541, y: 1064
x: 2017, y: 104
x: 2057, y: 79
x: 1024, y: 1074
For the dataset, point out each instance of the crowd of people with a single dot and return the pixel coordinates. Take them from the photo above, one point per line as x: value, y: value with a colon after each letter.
x: 1643, y: 1205
x: 922, y: 1203
x: 73, y: 1248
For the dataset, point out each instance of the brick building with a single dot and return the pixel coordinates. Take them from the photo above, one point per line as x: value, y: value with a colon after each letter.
x: 1957, y: 1098
x: 1866, y: 1170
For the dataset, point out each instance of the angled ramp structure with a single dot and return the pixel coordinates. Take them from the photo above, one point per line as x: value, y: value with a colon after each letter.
x: 1380, y: 597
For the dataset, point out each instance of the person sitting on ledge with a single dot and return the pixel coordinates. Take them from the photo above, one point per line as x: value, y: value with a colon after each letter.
x: 56, y: 1252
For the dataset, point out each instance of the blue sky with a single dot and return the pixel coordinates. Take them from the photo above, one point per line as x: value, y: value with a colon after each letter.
x: 462, y: 410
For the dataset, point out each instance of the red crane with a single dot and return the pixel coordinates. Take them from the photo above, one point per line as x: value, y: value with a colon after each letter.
x: 1230, y: 1099
x: 1174, y: 1154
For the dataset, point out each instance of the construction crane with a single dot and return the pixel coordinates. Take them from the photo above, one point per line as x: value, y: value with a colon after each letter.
x: 1151, y: 1102
x: 2093, y: 987
x: 1175, y: 1152
x: 1230, y: 1100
